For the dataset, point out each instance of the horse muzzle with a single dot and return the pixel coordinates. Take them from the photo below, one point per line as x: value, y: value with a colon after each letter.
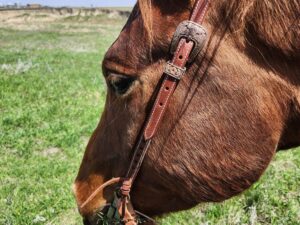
x: 119, y: 212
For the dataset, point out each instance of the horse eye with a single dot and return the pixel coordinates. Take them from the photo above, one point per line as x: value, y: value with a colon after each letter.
x: 120, y: 83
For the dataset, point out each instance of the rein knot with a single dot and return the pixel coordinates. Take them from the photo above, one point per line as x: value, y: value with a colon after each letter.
x: 125, y: 188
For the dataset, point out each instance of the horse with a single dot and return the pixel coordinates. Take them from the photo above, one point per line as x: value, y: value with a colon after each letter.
x: 237, y: 105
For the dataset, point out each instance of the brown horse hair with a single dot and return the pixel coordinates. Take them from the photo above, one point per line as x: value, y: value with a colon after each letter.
x: 276, y: 22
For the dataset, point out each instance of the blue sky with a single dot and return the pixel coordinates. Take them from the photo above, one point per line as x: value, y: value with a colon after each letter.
x: 73, y: 2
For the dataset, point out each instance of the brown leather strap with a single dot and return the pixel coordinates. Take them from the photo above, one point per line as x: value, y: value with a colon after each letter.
x: 138, y: 157
x: 169, y: 84
x: 167, y: 88
x: 200, y: 11
x: 186, y: 43
x: 173, y: 73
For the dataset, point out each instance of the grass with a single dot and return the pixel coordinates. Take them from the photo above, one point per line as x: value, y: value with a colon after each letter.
x: 51, y: 97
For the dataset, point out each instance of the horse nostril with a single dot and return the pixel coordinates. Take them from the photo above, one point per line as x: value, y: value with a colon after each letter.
x: 86, y: 221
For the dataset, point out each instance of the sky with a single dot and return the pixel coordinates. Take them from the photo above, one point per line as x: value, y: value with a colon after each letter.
x: 100, y: 3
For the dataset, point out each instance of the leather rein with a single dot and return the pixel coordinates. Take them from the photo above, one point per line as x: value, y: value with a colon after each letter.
x: 189, y: 39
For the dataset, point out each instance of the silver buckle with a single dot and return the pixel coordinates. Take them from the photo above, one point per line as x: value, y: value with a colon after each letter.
x: 174, y: 71
x: 192, y: 32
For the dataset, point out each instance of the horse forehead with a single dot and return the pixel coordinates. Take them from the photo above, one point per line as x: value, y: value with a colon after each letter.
x: 131, y: 49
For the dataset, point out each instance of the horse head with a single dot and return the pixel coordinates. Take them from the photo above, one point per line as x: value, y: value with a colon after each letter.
x: 238, y: 103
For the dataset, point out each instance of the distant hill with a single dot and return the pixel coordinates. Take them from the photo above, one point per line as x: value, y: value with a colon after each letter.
x: 123, y: 11
x: 48, y: 14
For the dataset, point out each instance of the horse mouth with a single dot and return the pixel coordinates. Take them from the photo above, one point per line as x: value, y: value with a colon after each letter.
x: 98, y: 218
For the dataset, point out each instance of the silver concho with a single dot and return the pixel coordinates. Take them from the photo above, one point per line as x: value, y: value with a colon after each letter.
x: 192, y: 32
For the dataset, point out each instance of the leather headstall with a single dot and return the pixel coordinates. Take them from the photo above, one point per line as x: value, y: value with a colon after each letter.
x: 189, y: 39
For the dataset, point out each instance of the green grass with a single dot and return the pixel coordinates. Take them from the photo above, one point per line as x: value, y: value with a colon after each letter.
x: 51, y: 98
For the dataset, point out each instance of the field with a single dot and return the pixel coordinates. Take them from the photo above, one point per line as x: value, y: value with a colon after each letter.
x: 51, y: 98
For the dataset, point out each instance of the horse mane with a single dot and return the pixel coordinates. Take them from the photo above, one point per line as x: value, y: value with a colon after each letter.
x: 275, y: 22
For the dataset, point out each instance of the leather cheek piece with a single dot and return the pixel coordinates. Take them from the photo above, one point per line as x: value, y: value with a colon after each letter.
x: 188, y: 40
x: 168, y: 87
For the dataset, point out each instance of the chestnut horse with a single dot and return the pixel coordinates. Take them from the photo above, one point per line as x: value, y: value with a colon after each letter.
x: 237, y: 105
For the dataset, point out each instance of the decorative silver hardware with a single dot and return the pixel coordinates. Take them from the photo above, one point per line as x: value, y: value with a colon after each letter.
x: 191, y: 31
x: 174, y: 71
